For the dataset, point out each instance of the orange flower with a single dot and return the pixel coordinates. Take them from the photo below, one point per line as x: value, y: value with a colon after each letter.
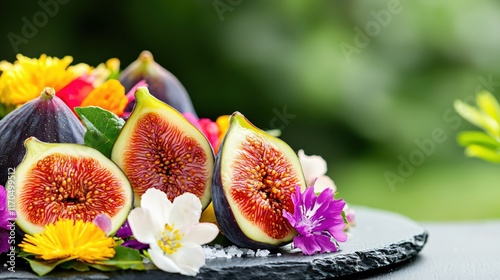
x: 109, y: 96
x: 223, y: 124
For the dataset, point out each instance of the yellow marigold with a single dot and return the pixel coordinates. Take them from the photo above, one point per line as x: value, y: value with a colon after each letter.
x: 23, y: 80
x: 223, y: 124
x: 109, y: 96
x: 68, y: 239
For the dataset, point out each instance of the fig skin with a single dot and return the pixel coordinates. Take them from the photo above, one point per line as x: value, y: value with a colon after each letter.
x: 225, y: 217
x: 47, y: 118
x: 161, y: 83
x: 224, y: 213
x: 126, y: 152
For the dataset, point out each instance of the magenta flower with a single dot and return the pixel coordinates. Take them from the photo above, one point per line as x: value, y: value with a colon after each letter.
x: 6, y: 216
x: 4, y: 241
x: 125, y: 233
x: 318, y: 221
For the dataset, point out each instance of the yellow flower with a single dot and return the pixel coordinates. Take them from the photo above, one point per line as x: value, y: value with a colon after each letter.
x: 223, y: 124
x: 68, y: 239
x: 109, y: 96
x: 23, y: 80
x: 105, y: 71
x: 208, y: 215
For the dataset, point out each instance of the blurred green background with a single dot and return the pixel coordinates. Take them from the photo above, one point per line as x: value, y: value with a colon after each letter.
x: 362, y: 82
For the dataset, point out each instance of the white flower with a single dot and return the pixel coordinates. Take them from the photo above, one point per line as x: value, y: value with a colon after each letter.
x: 172, y: 230
x: 315, y: 167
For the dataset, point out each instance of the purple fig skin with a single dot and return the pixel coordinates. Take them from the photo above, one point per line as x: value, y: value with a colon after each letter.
x: 161, y: 83
x: 47, y: 118
x: 224, y: 214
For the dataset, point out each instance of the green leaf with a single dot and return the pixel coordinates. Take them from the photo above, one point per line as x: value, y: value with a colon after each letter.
x: 477, y: 117
x: 42, y: 267
x: 24, y: 254
x: 76, y: 265
x: 467, y: 138
x: 482, y: 152
x: 469, y: 113
x: 104, y: 267
x: 103, y: 128
x: 345, y: 218
x: 125, y: 258
x: 488, y: 104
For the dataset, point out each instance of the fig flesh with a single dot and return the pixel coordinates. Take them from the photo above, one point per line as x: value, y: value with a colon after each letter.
x: 161, y: 83
x: 158, y: 148
x: 68, y: 181
x: 46, y: 118
x: 254, y: 178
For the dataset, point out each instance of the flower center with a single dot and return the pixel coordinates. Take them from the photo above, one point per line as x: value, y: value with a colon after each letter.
x: 170, y: 240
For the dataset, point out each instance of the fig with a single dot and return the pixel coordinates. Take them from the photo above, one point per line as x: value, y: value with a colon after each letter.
x: 161, y: 83
x: 159, y: 148
x: 46, y: 118
x: 63, y: 180
x: 255, y: 175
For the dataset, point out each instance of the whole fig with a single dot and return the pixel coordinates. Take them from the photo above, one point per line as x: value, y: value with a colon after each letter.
x: 47, y: 118
x: 161, y: 83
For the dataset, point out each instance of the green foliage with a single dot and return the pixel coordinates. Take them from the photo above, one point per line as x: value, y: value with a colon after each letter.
x: 42, y: 267
x: 103, y: 128
x: 483, y: 145
x: 125, y: 258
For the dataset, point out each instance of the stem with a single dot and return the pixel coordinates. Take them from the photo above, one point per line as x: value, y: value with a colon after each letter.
x: 146, y: 56
x: 48, y: 93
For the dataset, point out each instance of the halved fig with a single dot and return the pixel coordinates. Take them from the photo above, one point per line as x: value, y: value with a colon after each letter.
x: 159, y: 148
x: 254, y: 178
x: 61, y: 180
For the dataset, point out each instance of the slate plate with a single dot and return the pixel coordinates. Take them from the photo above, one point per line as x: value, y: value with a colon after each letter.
x: 380, y: 239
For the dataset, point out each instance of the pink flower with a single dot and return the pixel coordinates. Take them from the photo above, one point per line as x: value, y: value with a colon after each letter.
x: 103, y: 221
x: 314, y: 168
x: 318, y: 221
x: 75, y: 92
x: 209, y: 128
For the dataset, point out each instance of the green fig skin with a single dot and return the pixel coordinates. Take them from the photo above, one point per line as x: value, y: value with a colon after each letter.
x: 161, y: 83
x: 47, y: 118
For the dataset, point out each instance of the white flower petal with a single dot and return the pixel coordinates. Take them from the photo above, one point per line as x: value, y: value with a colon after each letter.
x: 143, y: 226
x: 201, y: 233
x: 186, y: 211
x: 324, y: 182
x: 162, y: 261
x: 158, y: 204
x: 189, y: 258
x: 312, y: 166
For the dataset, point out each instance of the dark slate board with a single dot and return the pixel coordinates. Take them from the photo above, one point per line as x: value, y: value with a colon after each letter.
x: 380, y: 239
